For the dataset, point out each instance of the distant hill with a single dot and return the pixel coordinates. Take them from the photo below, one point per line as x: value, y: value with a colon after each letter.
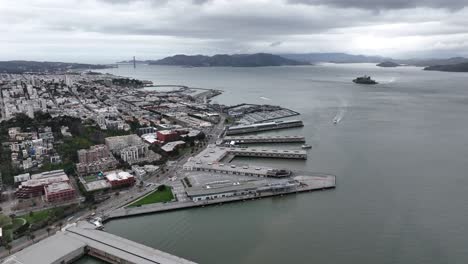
x: 237, y: 60
x: 460, y: 67
x: 388, y: 64
x: 44, y: 66
x: 334, y: 58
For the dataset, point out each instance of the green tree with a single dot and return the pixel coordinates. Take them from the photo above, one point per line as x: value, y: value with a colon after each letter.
x: 8, y: 247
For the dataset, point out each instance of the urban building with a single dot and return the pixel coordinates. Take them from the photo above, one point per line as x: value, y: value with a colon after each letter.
x: 59, y: 192
x: 95, y: 159
x: 167, y: 135
x: 146, y: 130
x: 35, y: 185
x: 119, y: 179
x: 171, y: 146
x: 131, y: 149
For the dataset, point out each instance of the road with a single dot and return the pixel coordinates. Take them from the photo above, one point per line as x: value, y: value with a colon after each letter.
x: 173, y: 169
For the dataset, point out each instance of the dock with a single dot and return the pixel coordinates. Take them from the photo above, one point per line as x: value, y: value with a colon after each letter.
x: 309, y: 184
x: 263, y: 139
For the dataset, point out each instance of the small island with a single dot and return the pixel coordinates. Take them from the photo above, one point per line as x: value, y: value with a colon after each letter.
x: 364, y: 80
x: 388, y: 64
x: 459, y: 67
x: 225, y: 60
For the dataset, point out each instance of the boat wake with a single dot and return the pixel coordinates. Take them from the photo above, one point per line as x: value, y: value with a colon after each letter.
x: 265, y: 98
x: 341, y: 112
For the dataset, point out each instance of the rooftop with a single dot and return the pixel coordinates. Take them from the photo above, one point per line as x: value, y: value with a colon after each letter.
x: 118, y: 176
x: 58, y: 187
x: 97, y: 185
x: 171, y: 145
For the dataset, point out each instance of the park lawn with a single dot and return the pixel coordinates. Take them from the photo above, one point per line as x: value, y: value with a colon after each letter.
x: 18, y: 222
x: 38, y: 216
x: 164, y: 195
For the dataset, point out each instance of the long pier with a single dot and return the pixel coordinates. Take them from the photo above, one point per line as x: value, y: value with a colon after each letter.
x: 263, y: 139
x: 310, y: 183
x: 74, y: 242
x: 268, y: 153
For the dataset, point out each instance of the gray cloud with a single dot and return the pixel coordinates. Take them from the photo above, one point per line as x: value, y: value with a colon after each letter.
x: 276, y: 43
x: 147, y: 28
x: 387, y: 4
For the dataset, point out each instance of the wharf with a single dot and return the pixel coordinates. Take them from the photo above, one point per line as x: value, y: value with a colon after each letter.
x: 263, y: 139
x: 309, y: 183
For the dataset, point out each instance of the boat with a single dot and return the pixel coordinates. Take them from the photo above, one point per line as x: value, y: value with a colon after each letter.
x: 335, y: 121
x: 306, y: 146
x: 364, y: 80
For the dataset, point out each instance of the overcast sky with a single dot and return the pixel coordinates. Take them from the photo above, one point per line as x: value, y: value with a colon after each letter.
x: 111, y: 30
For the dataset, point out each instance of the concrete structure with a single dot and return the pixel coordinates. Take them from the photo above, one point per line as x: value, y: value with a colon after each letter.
x: 243, y: 129
x: 59, y: 192
x: 21, y: 178
x: 171, y: 146
x: 131, y: 149
x: 73, y: 243
x: 263, y: 139
x: 133, y: 153
x: 115, y: 144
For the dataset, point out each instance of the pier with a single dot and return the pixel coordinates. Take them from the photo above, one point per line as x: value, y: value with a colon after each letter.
x: 307, y: 184
x: 259, y: 127
x: 263, y: 139
x: 74, y: 242
x: 216, y: 159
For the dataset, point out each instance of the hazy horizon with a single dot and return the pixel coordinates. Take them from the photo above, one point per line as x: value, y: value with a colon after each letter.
x: 105, y: 31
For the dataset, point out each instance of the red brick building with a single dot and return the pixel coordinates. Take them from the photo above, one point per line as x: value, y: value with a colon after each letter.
x: 120, y: 179
x: 167, y: 135
x: 35, y: 186
x: 59, y: 192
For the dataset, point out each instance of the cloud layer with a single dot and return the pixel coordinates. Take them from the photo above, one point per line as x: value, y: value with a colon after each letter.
x: 109, y: 30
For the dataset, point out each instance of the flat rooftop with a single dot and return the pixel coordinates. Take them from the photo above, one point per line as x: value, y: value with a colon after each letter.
x: 97, y: 185
x: 118, y: 175
x: 58, y: 187
x: 234, y: 138
x: 214, y: 154
x: 74, y: 240
x: 263, y: 124
x: 50, y: 250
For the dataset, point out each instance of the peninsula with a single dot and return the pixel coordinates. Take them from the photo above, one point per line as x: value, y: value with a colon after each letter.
x: 20, y: 66
x: 460, y: 67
